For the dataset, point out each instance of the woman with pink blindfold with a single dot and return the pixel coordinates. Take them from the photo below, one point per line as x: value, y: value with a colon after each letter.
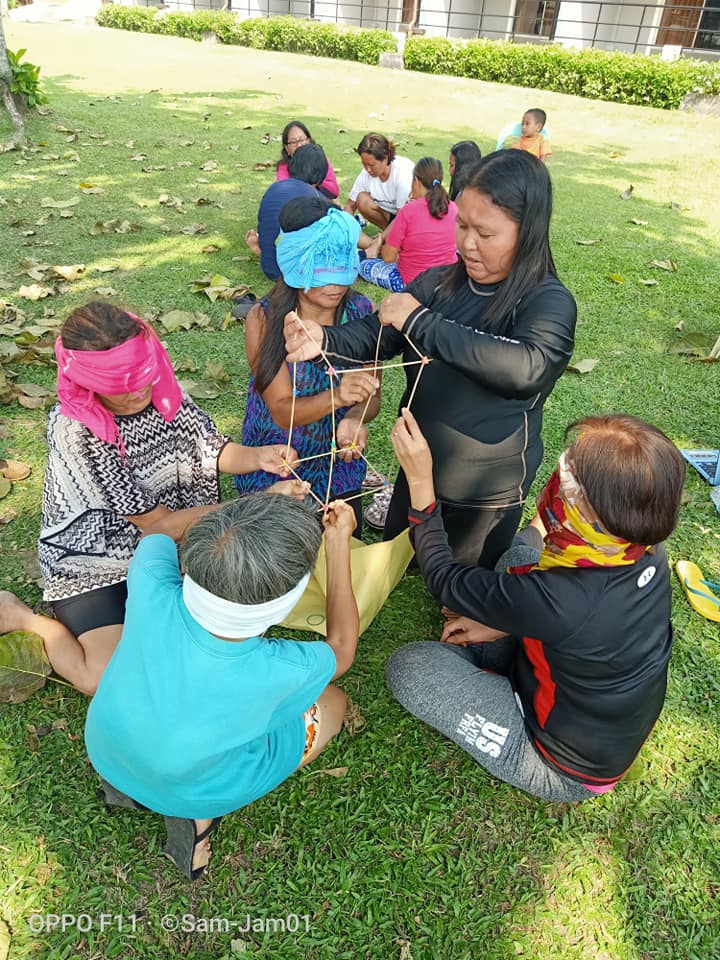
x: 129, y: 453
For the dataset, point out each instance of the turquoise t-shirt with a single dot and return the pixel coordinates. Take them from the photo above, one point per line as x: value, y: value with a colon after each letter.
x: 190, y: 725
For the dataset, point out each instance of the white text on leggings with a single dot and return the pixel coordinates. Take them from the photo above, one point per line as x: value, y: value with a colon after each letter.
x: 484, y: 735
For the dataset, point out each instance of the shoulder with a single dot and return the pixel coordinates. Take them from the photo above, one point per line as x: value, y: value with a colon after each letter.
x: 549, y: 293
x: 312, y: 656
x: 403, y: 164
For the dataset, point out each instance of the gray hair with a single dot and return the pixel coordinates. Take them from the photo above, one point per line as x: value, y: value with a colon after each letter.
x: 253, y: 549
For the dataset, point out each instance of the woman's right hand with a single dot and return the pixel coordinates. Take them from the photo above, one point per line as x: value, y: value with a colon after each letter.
x: 355, y: 387
x: 303, y: 339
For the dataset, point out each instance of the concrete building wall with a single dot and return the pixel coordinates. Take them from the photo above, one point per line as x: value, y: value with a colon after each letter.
x: 608, y: 26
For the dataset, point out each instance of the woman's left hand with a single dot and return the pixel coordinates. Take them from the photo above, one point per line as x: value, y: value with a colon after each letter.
x: 351, y: 437
x: 298, y: 489
x: 396, y: 308
x: 274, y: 459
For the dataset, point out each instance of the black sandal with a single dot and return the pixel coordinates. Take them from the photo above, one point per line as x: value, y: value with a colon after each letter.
x: 115, y: 798
x: 243, y: 305
x: 182, y: 838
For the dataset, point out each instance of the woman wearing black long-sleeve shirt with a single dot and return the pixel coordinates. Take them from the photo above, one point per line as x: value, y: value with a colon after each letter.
x: 499, y: 328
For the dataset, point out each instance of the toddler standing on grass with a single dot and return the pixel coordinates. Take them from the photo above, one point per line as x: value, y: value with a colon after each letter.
x: 532, y: 138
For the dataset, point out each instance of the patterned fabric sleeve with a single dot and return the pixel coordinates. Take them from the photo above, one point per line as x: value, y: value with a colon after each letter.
x: 210, y: 440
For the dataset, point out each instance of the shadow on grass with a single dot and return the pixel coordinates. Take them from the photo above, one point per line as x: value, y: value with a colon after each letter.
x: 414, y: 843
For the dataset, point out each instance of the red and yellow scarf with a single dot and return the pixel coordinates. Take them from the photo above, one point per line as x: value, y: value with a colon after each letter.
x: 571, y: 539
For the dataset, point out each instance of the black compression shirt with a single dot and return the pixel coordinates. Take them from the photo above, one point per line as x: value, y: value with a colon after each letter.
x: 479, y: 402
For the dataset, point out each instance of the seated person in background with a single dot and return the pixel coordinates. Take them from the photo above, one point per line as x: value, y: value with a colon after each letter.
x: 295, y: 135
x: 531, y: 138
x: 421, y: 236
x: 308, y: 168
x: 202, y: 714
x: 317, y: 253
x: 384, y: 185
x: 127, y: 450
x: 462, y: 156
x: 554, y: 671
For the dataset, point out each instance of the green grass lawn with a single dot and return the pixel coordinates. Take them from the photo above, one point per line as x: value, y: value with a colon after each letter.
x: 394, y: 844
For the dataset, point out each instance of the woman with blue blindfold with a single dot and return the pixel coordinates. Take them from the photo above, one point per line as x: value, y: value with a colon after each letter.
x: 318, y: 257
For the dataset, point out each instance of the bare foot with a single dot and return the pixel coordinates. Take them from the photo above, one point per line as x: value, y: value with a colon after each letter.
x: 253, y: 241
x: 201, y: 856
x: 14, y: 614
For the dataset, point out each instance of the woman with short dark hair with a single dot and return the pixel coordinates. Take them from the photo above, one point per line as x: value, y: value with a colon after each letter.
x: 498, y: 327
x: 384, y: 184
x: 463, y: 155
x: 553, y: 672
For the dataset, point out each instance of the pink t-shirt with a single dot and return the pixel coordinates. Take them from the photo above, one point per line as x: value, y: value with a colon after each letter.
x: 422, y: 240
x: 329, y: 183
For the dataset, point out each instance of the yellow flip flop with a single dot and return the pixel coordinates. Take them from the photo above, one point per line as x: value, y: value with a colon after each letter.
x: 705, y: 601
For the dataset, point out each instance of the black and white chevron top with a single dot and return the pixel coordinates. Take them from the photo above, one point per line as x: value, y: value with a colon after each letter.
x: 85, y: 540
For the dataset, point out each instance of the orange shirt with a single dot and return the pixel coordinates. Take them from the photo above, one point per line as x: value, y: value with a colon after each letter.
x: 538, y: 146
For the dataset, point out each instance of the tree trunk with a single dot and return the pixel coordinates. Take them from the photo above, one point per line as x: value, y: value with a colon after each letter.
x: 11, y: 104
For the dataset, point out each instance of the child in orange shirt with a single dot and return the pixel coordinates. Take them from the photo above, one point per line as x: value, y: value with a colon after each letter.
x: 532, y: 139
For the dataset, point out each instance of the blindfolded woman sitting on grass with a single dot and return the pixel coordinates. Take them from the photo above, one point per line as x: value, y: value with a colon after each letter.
x: 554, y: 672
x: 127, y: 450
x: 202, y: 714
x: 317, y: 254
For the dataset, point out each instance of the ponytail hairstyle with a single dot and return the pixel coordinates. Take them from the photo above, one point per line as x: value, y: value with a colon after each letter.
x: 295, y: 215
x: 429, y: 172
x: 519, y: 184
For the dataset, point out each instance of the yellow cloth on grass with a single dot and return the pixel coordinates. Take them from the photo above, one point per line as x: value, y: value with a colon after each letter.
x: 376, y: 570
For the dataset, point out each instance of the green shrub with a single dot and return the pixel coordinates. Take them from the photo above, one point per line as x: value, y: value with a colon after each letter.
x: 25, y: 79
x: 277, y: 33
x: 597, y: 74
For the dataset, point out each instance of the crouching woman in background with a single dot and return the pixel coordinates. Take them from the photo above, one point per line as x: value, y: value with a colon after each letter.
x: 554, y: 672
x: 199, y: 714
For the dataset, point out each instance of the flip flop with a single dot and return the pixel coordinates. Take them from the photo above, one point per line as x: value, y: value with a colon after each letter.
x: 705, y: 602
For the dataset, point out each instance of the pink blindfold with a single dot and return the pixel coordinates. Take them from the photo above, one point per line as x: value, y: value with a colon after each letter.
x: 127, y: 368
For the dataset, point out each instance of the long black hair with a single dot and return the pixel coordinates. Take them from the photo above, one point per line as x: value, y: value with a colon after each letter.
x: 519, y: 184
x: 296, y: 214
x: 429, y: 172
x: 285, y: 156
x: 466, y: 153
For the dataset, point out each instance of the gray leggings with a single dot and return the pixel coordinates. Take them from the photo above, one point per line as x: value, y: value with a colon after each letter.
x: 450, y: 689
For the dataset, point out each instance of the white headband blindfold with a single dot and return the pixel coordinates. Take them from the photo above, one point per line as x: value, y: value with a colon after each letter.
x: 223, y: 618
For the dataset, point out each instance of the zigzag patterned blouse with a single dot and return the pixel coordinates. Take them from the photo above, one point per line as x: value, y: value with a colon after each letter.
x: 85, y: 541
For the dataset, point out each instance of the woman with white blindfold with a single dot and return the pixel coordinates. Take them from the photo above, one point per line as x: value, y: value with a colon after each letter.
x: 128, y: 450
x: 203, y: 714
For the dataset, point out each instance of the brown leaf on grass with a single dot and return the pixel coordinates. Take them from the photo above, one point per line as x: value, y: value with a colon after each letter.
x: 6, y: 517
x: 626, y: 194
x: 588, y: 243
x: 639, y: 223
x: 263, y: 166
x: 70, y: 272
x: 139, y: 157
x: 114, y: 226
x: 202, y: 202
x: 34, y: 390
x: 215, y: 370
x: 210, y: 165
x: 183, y: 320
x: 616, y: 277
x: 218, y: 287
x: 23, y: 666
x: 669, y: 265
x: 153, y: 167
x: 106, y: 267
x: 649, y: 283
x: 166, y: 200
x: 336, y: 772
x: 353, y: 721
x: 692, y: 344
x: 583, y: 366
x: 9, y: 351
x: 91, y: 188
x: 31, y: 403
x: 200, y: 390
x: 66, y: 214
x: 186, y: 365
x: 14, y: 469
x: 59, y: 204
x: 194, y: 228
x: 211, y: 248
x: 105, y: 291
x: 5, y: 487
x: 34, y: 291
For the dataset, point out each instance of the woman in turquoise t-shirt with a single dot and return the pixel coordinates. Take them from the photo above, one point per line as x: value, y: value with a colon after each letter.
x: 200, y: 714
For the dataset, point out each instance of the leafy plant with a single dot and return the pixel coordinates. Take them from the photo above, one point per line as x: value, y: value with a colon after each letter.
x: 26, y: 79
x: 286, y: 34
x: 596, y: 74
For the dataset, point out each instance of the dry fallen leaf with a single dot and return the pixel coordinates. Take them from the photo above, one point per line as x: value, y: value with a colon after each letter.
x: 639, y: 223
x: 211, y: 248
x: 5, y: 487
x: 14, y: 469
x: 59, y: 204
x: 583, y: 366
x: 649, y: 283
x: 194, y: 228
x: 71, y: 272
x: 616, y: 277
x: 588, y: 243
x: 34, y: 390
x: 669, y: 265
x: 105, y: 291
x: 626, y: 194
x: 336, y: 772
x: 34, y: 291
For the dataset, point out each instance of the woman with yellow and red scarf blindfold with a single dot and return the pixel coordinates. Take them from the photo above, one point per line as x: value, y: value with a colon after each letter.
x: 553, y: 671
x: 129, y: 453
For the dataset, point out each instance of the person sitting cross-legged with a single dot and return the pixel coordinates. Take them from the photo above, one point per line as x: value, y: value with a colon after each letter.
x: 199, y: 713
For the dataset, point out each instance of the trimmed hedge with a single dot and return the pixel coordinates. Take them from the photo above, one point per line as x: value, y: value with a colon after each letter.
x: 277, y: 33
x: 597, y: 74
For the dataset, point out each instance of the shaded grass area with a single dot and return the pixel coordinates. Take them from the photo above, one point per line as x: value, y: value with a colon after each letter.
x: 413, y: 851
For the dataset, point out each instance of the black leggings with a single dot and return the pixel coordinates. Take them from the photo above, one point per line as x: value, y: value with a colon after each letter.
x: 103, y: 607
x: 478, y: 534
